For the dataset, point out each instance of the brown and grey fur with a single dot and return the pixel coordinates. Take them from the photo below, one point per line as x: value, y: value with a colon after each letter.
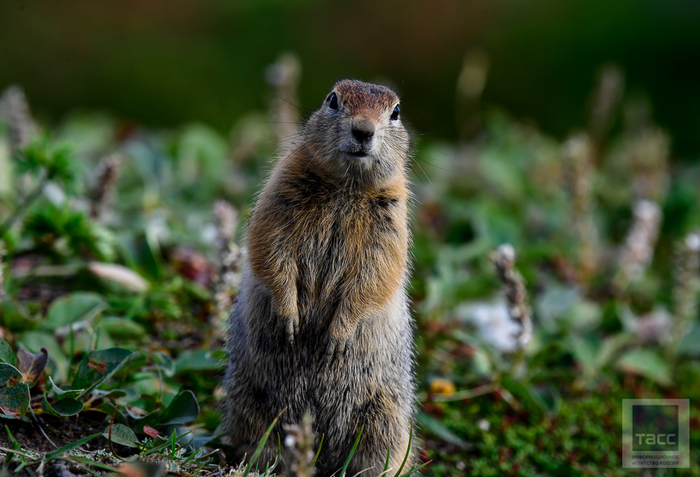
x: 322, y: 323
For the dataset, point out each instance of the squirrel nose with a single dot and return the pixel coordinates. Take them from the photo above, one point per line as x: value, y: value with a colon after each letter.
x: 362, y: 130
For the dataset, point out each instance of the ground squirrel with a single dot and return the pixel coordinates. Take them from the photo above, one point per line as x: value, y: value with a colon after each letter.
x: 322, y: 322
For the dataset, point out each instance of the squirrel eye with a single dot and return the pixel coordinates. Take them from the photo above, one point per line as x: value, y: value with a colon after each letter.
x: 333, y: 101
x: 395, y: 114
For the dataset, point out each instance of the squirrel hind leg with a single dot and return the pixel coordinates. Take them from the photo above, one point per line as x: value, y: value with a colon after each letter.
x: 384, y: 433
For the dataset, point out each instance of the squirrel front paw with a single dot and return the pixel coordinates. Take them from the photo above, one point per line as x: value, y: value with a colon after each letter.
x: 287, y: 316
x: 338, y: 343
x: 291, y: 327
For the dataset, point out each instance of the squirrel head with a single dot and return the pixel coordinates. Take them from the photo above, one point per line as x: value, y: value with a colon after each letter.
x: 358, y: 130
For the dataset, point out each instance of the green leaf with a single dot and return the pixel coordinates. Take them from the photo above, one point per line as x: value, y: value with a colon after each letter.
x: 647, y: 363
x: 13, y: 316
x: 690, y: 343
x: 585, y: 353
x: 98, y: 366
x: 6, y: 353
x: 32, y: 365
x: 203, y: 360
x: 14, y: 393
x: 78, y: 306
x: 122, y: 328
x: 553, y: 303
x: 183, y: 408
x: 122, y: 435
x: 438, y: 429
x: 63, y: 407
x: 57, y: 391
x: 165, y: 363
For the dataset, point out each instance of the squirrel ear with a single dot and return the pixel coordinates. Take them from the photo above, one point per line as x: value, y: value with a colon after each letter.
x: 332, y: 100
x: 395, y: 113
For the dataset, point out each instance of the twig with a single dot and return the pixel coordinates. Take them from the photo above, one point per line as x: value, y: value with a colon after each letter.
x: 466, y: 394
x: 12, y: 451
x: 36, y: 421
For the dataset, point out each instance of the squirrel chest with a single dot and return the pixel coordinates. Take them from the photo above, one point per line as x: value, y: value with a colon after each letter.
x: 327, y: 233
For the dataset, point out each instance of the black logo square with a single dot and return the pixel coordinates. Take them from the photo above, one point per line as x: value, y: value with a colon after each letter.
x: 655, y: 427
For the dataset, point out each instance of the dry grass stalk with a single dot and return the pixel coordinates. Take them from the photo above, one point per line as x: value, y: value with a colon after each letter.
x: 638, y: 249
x: 470, y: 86
x: 107, y: 172
x: 15, y: 109
x: 607, y: 96
x: 231, y: 258
x: 687, y: 284
x: 578, y: 154
x: 283, y: 76
x: 516, y: 294
x: 645, y: 157
x: 300, y: 440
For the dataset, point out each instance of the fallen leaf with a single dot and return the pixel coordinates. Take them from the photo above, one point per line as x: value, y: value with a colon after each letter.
x: 32, y: 365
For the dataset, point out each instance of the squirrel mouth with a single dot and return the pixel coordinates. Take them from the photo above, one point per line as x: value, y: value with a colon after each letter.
x: 359, y: 153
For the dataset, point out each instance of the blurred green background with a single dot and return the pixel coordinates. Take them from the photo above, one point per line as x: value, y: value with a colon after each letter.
x: 164, y: 63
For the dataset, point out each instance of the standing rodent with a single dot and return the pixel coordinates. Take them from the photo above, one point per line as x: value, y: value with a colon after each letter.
x: 322, y: 322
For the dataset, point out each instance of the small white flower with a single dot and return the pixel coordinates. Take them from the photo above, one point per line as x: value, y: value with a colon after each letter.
x: 484, y: 425
x: 493, y: 323
x: 290, y: 441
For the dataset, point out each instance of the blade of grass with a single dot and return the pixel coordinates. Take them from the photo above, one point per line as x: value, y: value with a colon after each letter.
x: 85, y: 468
x: 352, y: 452
x: 201, y: 466
x: 279, y: 456
x: 71, y: 446
x: 415, y: 469
x: 261, y: 446
x: 12, y: 438
x: 386, y: 464
x: 99, y: 465
x: 408, y: 452
x: 323, y: 436
x: 163, y: 445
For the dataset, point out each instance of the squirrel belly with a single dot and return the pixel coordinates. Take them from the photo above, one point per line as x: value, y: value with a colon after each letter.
x: 322, y: 322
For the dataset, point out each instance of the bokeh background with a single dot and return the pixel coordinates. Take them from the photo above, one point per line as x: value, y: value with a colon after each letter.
x: 164, y: 63
x: 556, y: 220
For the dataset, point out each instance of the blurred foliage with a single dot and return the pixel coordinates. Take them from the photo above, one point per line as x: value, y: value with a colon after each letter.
x: 118, y: 274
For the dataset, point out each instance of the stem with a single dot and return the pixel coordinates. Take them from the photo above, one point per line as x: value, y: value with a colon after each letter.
x: 22, y: 207
x: 467, y: 393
